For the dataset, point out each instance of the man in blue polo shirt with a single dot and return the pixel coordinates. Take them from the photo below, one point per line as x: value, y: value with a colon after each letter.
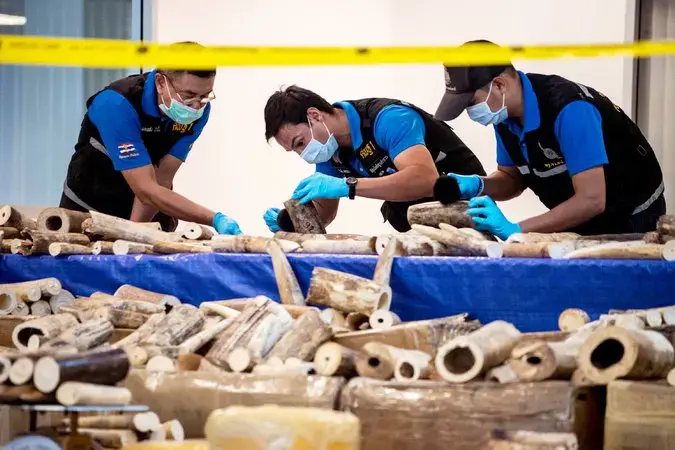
x: 584, y: 158
x: 135, y: 135
x: 375, y: 147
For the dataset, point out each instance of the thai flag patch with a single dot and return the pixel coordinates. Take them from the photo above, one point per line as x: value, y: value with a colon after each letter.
x: 126, y: 148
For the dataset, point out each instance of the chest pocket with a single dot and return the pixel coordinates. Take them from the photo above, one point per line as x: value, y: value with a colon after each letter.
x: 545, y: 171
x: 159, y: 136
x: 546, y: 159
x: 548, y: 177
x: 374, y: 159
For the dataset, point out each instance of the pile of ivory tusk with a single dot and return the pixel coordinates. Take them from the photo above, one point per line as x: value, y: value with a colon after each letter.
x: 437, y: 230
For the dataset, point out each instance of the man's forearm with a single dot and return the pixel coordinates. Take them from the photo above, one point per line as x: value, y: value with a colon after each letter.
x: 177, y: 206
x: 409, y: 184
x: 502, y: 186
x: 141, y: 212
x: 566, y: 215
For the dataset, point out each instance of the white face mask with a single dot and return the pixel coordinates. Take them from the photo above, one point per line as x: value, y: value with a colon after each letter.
x: 316, y: 152
x: 482, y: 113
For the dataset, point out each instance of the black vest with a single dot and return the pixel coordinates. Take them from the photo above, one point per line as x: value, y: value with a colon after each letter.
x: 445, y: 147
x: 632, y: 176
x: 91, y: 174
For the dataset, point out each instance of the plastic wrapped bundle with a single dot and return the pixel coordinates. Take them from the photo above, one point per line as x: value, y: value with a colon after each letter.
x: 272, y: 427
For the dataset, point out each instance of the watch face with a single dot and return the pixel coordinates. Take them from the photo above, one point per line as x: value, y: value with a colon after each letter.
x: 351, y: 181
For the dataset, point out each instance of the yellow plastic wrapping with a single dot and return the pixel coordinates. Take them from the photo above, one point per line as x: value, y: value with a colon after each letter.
x: 437, y: 416
x: 274, y: 427
x: 190, y: 397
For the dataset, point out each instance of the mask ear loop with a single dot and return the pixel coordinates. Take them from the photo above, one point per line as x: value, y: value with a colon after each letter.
x: 311, y: 131
x: 327, y: 130
x: 490, y: 92
x: 166, y: 83
x: 169, y: 91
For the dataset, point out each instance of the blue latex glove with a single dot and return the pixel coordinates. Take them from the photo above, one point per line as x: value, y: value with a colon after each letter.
x: 271, y: 219
x: 319, y: 185
x: 488, y: 217
x: 470, y: 186
x: 225, y: 225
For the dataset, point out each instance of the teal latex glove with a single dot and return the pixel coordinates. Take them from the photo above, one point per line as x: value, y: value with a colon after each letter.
x: 319, y: 185
x: 271, y: 219
x: 488, y: 217
x: 470, y: 186
x: 225, y: 225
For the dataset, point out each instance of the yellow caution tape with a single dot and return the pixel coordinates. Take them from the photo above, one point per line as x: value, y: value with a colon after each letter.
x: 114, y: 53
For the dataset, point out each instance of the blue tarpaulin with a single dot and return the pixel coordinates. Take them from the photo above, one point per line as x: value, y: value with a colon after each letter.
x: 531, y: 293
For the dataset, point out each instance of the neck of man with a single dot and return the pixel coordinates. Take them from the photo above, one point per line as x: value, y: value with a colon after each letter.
x: 517, y: 110
x: 341, y: 129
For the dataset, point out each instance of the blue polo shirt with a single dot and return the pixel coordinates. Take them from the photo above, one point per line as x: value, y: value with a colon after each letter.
x: 119, y: 125
x: 396, y: 129
x: 578, y: 129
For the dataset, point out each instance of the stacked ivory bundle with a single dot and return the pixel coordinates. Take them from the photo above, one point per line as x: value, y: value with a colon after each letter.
x: 437, y: 229
x: 619, y: 345
x: 59, y: 231
x: 79, y: 368
x: 122, y: 430
x: 45, y: 296
x: 34, y: 298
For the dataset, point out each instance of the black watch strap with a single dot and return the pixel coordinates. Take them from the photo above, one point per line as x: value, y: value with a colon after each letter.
x: 351, y: 184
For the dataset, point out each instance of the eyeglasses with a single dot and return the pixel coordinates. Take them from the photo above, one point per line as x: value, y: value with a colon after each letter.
x: 198, y: 101
x: 193, y: 102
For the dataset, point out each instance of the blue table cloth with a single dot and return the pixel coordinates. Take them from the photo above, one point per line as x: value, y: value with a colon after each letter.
x: 531, y: 293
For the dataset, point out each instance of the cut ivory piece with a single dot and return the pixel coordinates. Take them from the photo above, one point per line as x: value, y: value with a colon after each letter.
x: 346, y: 292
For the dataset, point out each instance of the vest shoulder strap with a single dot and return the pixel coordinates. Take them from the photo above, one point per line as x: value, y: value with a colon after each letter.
x: 375, y: 159
x: 130, y: 87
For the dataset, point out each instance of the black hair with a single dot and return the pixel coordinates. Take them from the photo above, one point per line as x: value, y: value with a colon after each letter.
x: 289, y: 106
x: 203, y: 73
x: 511, y: 70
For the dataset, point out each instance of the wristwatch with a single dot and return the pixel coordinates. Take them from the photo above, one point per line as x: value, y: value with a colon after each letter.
x: 351, y: 184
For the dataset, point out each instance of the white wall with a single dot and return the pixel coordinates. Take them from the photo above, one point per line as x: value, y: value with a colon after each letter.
x: 233, y: 169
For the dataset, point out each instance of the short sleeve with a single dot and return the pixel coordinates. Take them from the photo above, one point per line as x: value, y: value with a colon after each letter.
x: 503, y: 158
x: 181, y: 148
x: 397, y: 128
x: 120, y: 128
x: 578, y: 129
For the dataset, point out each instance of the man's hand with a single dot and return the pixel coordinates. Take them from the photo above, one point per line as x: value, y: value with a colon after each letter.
x: 488, y: 217
x: 271, y: 219
x: 225, y: 225
x: 318, y: 186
